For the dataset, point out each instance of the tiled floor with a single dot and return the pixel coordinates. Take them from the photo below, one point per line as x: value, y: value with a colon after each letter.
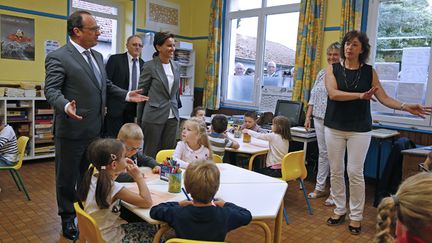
x: 37, y: 220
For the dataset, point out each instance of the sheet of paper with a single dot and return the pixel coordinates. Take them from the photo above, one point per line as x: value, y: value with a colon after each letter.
x: 157, y: 196
x: 415, y: 64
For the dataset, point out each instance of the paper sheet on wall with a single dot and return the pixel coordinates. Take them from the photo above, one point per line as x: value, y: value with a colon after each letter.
x: 390, y: 88
x: 51, y: 45
x: 387, y: 70
x: 415, y: 64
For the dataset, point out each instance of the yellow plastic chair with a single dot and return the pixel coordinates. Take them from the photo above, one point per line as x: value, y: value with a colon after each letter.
x: 88, y: 229
x: 178, y: 240
x: 293, y: 168
x: 163, y: 154
x: 13, y: 170
x: 217, y: 158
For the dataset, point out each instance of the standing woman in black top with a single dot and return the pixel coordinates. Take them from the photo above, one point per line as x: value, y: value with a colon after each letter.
x: 348, y: 122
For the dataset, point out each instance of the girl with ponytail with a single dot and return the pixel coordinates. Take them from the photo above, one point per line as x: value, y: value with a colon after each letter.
x: 407, y: 216
x: 100, y: 194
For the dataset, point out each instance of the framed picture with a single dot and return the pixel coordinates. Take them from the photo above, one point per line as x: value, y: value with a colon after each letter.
x: 162, y: 16
x: 17, y: 37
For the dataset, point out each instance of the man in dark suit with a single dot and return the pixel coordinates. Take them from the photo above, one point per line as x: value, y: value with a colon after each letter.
x: 124, y: 71
x: 76, y: 86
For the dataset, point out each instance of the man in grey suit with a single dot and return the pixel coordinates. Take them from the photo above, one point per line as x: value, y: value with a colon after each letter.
x: 76, y: 86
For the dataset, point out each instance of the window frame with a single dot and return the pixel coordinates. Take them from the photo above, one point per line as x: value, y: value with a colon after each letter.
x: 261, y: 14
x: 119, y: 18
x: 372, y: 31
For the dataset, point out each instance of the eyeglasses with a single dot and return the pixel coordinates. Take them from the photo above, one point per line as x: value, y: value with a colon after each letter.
x: 129, y: 148
x: 137, y: 45
x: 93, y: 29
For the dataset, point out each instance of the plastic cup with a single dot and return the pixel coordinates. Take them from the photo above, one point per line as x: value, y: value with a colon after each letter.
x: 174, y: 182
x: 246, y: 138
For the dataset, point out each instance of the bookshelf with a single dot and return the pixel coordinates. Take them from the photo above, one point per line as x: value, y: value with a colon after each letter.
x: 185, y: 57
x: 31, y: 117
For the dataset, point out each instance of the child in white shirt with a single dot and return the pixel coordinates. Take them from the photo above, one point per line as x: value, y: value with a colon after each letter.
x: 101, y: 194
x: 194, y: 144
x: 8, y: 144
x: 279, y: 145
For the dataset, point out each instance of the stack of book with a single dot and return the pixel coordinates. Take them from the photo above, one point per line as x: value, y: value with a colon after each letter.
x: 17, y: 115
x: 14, y: 92
x: 43, y: 131
x: 182, y: 57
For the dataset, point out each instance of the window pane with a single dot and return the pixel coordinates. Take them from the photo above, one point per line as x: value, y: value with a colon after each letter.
x: 403, y: 51
x: 279, y: 56
x: 240, y: 85
x: 280, y: 2
x: 236, y: 5
x: 94, y: 7
x: 107, y: 40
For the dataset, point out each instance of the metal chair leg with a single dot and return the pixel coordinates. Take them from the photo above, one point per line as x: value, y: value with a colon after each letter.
x: 285, y: 216
x: 22, y: 184
x: 16, y: 183
x: 305, y: 196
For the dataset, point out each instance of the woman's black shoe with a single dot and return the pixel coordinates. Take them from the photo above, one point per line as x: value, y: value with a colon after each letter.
x: 354, y: 230
x: 338, y: 221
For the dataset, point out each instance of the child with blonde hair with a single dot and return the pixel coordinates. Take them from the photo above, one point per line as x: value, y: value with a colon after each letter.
x: 278, y: 143
x: 132, y: 137
x: 101, y: 194
x: 408, y: 214
x: 202, y: 218
x: 195, y: 144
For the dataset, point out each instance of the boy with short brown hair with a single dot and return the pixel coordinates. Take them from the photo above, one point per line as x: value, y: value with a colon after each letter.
x: 202, y: 218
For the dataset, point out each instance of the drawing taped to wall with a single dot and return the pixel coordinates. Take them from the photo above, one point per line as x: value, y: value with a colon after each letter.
x: 162, y: 16
x: 17, y: 37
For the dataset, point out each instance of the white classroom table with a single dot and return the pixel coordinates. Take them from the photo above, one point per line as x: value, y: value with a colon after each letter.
x: 261, y: 195
x: 254, y: 148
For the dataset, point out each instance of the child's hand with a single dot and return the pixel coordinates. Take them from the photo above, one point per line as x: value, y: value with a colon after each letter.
x: 185, y: 203
x: 156, y: 169
x: 219, y: 203
x: 134, y: 171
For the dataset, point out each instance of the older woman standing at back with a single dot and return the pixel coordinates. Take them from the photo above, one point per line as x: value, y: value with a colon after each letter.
x: 159, y: 80
x: 348, y: 122
x: 316, y: 109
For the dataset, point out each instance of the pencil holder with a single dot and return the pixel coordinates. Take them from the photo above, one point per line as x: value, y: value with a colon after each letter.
x: 174, y: 182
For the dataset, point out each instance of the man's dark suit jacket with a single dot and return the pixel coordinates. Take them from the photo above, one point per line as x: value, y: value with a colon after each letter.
x: 117, y: 69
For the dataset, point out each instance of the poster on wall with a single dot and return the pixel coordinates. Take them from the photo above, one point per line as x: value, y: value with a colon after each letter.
x: 162, y: 16
x: 17, y: 37
x: 51, y: 45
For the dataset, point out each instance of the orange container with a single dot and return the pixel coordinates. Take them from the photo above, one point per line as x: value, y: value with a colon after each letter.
x: 246, y: 138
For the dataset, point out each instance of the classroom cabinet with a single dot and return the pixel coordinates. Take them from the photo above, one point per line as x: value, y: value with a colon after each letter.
x: 31, y: 117
x: 185, y: 57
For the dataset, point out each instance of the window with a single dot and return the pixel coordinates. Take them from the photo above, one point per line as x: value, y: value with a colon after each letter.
x: 401, y: 35
x: 260, y: 38
x: 107, y: 17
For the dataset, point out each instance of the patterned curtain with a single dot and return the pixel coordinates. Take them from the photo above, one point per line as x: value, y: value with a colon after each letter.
x: 211, y: 83
x: 351, y: 16
x: 308, y: 50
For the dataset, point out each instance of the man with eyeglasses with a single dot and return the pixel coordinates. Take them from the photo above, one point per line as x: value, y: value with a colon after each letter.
x: 76, y: 86
x: 124, y: 71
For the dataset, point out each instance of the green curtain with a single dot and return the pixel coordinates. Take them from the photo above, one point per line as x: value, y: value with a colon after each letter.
x: 211, y: 83
x: 308, y: 50
x: 351, y: 15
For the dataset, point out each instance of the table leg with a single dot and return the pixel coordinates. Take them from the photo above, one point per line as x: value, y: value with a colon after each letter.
x: 377, y: 177
x: 163, y: 228
x: 278, y: 225
x: 304, y: 149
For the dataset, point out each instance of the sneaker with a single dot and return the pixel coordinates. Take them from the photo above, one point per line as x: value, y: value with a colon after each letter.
x: 329, y: 202
x: 316, y: 194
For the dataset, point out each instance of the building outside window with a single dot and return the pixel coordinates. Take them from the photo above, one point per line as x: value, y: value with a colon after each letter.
x: 401, y: 35
x: 107, y: 15
x: 260, y: 38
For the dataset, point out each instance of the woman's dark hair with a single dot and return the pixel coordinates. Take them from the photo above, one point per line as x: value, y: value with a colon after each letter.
x: 159, y: 39
x: 101, y: 152
x: 282, y: 127
x: 75, y: 20
x: 195, y: 110
x: 364, y: 40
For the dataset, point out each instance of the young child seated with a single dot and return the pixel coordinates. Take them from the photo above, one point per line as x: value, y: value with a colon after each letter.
x: 8, y: 144
x: 101, y: 195
x: 407, y: 216
x: 218, y: 139
x: 202, y: 218
x: 132, y: 137
x: 250, y: 119
x: 194, y: 144
x: 279, y: 144
x: 199, y: 112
